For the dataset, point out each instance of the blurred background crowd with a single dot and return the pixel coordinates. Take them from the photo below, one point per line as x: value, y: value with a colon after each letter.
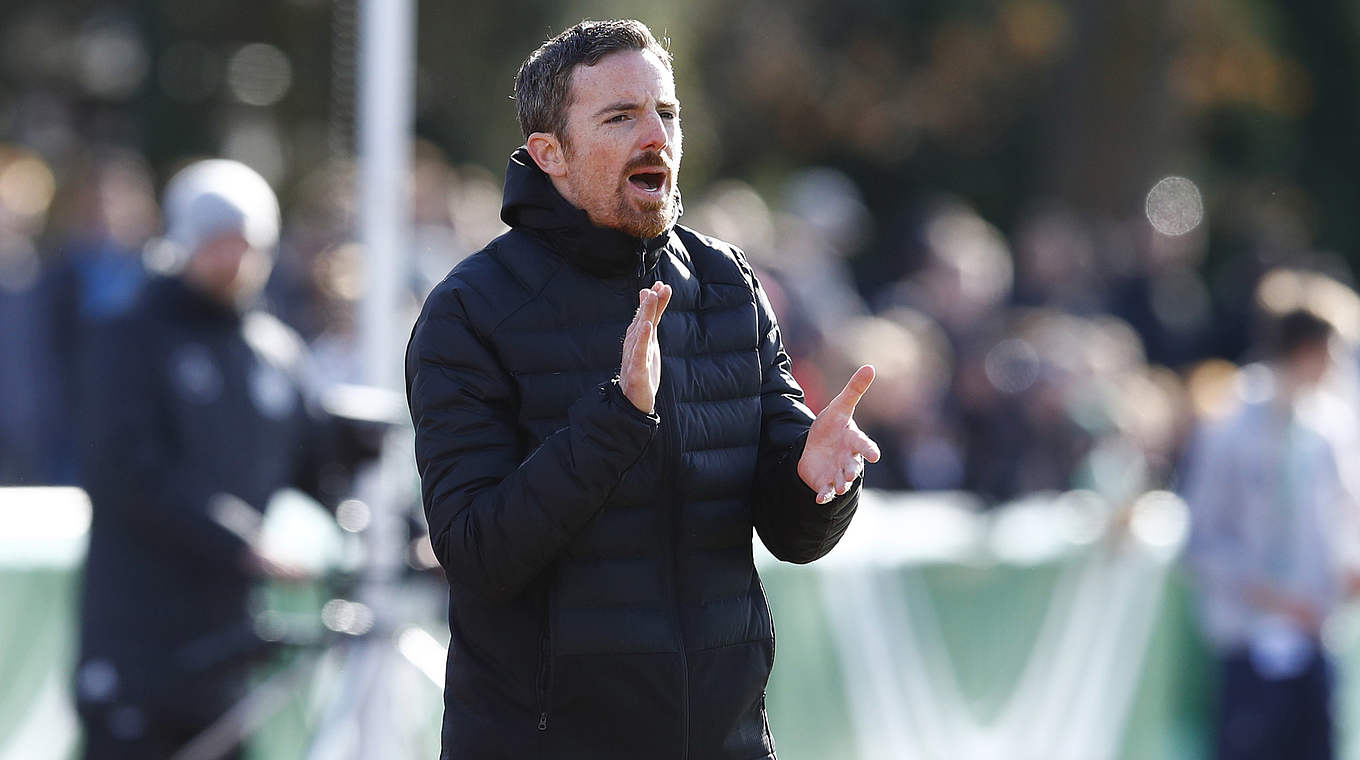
x: 1050, y: 221
x: 1058, y: 228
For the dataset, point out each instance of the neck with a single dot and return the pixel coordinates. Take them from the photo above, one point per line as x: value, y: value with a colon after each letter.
x: 564, y: 190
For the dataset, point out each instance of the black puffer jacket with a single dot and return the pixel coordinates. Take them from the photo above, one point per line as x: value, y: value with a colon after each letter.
x: 603, y: 599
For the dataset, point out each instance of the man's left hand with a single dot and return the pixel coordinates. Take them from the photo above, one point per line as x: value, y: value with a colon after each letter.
x: 836, y: 448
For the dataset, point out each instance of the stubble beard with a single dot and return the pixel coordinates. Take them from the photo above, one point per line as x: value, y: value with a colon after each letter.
x: 641, y: 218
x: 645, y: 219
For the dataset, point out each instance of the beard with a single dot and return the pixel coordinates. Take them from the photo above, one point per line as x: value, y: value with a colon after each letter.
x: 642, y: 218
x: 645, y: 219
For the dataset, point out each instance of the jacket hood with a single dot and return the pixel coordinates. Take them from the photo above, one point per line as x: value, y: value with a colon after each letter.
x: 532, y: 203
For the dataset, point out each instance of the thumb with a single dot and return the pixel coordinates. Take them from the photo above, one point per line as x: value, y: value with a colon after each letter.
x: 849, y: 397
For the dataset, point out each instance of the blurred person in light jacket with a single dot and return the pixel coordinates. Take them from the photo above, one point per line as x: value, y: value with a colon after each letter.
x: 198, y: 415
x: 1271, y: 549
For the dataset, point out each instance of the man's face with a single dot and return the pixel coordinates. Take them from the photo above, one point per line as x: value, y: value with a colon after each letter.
x: 622, y: 151
x: 228, y: 269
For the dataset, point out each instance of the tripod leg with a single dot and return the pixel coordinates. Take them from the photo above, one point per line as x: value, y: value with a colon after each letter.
x: 246, y: 716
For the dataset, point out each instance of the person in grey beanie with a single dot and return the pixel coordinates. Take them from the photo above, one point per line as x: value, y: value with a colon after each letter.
x: 198, y: 414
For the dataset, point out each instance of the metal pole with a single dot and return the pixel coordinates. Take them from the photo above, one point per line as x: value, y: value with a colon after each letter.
x: 386, y: 76
x: 384, y: 131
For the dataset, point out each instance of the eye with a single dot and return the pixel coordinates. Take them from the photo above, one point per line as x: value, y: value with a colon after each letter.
x: 669, y: 114
x: 616, y: 119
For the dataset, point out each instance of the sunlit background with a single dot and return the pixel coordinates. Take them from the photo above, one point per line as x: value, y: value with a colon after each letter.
x: 1057, y: 227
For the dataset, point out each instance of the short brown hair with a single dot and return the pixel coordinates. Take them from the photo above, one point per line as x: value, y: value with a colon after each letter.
x: 543, y: 83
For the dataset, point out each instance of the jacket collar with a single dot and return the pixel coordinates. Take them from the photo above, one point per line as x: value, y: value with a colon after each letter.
x: 174, y: 296
x: 532, y: 203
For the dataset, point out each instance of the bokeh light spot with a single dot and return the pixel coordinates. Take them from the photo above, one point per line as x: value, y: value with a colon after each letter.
x: 1175, y: 206
x: 259, y: 74
x: 27, y: 185
x: 112, y: 61
x: 1012, y: 366
x: 344, y: 616
x: 353, y: 515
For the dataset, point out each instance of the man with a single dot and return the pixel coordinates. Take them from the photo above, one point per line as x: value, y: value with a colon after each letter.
x: 1271, y: 519
x: 196, y: 417
x: 592, y: 503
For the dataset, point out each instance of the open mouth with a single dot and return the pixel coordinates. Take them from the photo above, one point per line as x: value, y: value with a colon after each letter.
x: 648, y: 181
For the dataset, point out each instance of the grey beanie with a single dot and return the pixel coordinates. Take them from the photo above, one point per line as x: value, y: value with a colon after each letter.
x: 209, y: 199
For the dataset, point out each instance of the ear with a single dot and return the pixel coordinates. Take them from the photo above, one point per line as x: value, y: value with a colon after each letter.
x: 547, y: 152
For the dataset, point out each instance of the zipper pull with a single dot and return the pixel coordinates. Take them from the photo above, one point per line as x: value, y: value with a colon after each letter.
x: 642, y: 260
x: 543, y: 722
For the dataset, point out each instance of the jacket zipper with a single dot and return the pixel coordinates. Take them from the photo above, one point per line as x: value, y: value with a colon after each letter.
x: 545, y: 652
x: 545, y: 662
x: 674, y: 505
x: 668, y: 458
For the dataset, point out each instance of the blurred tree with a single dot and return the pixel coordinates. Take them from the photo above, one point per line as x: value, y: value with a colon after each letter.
x: 1083, y: 102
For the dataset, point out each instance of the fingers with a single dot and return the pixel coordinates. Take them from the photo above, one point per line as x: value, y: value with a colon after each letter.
x: 849, y: 397
x: 634, y: 344
x: 635, y: 376
x: 850, y: 471
x: 833, y: 472
x: 636, y: 354
x: 646, y: 312
x: 646, y: 305
x: 630, y: 339
x: 865, y: 446
x: 652, y: 302
x: 832, y: 490
x: 640, y: 367
x: 663, y: 295
x: 837, y: 479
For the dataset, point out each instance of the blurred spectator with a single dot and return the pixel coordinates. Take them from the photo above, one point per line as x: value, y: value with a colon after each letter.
x: 1272, y: 547
x: 1012, y: 402
x: 966, y: 275
x: 102, y: 217
x: 322, y: 218
x: 318, y: 284
x: 1055, y: 263
x: 199, y: 413
x: 1154, y: 285
x: 101, y: 220
x: 914, y: 365
x: 27, y: 369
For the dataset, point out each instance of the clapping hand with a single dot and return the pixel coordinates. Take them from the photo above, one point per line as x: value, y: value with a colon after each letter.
x: 640, y: 372
x: 836, y: 448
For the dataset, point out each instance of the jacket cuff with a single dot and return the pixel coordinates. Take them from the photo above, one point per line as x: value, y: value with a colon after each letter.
x: 612, y: 393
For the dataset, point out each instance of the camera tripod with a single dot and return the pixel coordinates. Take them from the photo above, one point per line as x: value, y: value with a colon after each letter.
x: 357, y: 665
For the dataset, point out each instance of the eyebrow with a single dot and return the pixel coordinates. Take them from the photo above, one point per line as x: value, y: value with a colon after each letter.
x: 625, y: 105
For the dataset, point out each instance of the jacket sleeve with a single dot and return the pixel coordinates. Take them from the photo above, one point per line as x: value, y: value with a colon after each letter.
x: 133, y: 469
x: 790, y: 522
x: 499, y: 515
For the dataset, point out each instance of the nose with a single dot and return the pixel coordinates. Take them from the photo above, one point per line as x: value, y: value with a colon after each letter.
x: 653, y: 134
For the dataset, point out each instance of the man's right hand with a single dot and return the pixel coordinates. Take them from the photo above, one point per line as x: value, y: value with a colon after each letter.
x: 640, y: 372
